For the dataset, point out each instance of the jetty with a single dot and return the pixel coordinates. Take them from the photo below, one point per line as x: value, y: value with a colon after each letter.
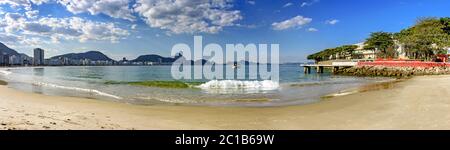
x: 334, y: 66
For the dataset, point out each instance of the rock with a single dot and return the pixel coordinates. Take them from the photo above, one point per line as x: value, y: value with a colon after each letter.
x: 392, y: 71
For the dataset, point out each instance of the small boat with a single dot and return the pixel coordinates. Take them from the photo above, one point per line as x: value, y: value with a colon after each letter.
x: 235, y: 66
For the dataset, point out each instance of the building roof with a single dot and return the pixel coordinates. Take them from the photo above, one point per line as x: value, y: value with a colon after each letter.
x: 360, y: 46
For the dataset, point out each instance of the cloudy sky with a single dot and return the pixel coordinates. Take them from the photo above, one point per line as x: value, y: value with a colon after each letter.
x: 128, y: 28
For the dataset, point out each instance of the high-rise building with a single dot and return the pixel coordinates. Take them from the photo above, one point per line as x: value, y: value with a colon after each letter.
x: 2, y: 62
x: 38, y: 57
x: 4, y: 59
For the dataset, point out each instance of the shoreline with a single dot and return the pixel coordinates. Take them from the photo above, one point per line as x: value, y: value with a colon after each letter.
x: 55, y: 88
x: 417, y: 103
x: 366, y: 88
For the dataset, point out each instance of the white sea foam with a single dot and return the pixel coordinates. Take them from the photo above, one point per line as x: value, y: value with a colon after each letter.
x: 5, y: 72
x: 77, y: 89
x: 235, y: 84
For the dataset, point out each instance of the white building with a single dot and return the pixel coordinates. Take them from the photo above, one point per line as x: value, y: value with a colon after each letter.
x: 25, y: 60
x: 14, y: 60
x: 371, y: 54
x: 400, y: 50
x: 364, y: 53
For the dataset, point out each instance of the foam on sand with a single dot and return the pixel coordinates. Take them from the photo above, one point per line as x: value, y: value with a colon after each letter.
x: 77, y: 89
x: 236, y: 84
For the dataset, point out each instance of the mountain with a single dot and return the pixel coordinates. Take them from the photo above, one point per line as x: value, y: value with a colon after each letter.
x: 160, y: 59
x: 25, y: 56
x: 153, y: 58
x: 91, y: 55
x: 6, y: 50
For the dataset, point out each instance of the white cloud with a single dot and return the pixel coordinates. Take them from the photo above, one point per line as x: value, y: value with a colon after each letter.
x: 134, y: 26
x: 11, y: 22
x: 17, y: 41
x: 251, y: 2
x: 1, y: 11
x: 188, y: 16
x: 17, y: 3
x: 22, y: 3
x: 13, y: 17
x: 332, y: 21
x: 101, y: 31
x: 72, y: 28
x: 32, y: 14
x: 36, y: 27
x: 112, y: 8
x: 287, y: 5
x: 312, y: 30
x: 249, y: 26
x: 297, y: 21
x: 34, y: 41
x: 39, y: 2
x: 304, y: 4
x: 85, y: 30
x: 8, y: 38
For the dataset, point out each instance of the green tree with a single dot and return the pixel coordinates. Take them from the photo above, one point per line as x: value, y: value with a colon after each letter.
x: 446, y: 23
x: 428, y: 37
x: 341, y: 52
x: 346, y: 51
x: 382, y: 42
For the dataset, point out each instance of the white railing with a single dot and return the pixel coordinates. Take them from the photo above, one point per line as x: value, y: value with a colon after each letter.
x: 345, y: 63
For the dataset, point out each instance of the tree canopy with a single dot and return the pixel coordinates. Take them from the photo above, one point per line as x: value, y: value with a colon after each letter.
x: 446, y: 23
x: 428, y: 37
x: 383, y: 42
x: 334, y: 53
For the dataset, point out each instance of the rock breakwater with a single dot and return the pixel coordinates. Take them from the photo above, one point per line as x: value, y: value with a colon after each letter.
x: 387, y: 71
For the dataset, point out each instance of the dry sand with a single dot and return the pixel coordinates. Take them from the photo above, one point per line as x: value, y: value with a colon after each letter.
x: 418, y: 103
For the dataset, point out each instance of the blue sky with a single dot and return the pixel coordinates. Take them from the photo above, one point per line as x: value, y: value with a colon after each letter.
x: 128, y: 28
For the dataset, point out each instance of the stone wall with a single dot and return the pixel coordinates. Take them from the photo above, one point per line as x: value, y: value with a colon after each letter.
x: 399, y: 72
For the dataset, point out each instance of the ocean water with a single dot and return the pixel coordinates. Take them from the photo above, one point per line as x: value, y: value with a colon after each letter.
x: 294, y: 87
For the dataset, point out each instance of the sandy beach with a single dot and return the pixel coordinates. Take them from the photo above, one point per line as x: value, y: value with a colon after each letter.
x: 417, y: 103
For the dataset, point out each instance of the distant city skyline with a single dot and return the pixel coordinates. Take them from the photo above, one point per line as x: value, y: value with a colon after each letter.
x: 123, y: 28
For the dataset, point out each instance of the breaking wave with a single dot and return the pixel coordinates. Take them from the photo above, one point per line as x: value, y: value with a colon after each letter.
x: 5, y: 72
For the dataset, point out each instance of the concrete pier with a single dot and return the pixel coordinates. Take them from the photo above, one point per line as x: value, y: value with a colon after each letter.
x: 320, y: 68
x: 307, y: 70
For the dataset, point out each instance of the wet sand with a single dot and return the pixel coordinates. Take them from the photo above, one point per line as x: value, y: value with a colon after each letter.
x: 417, y: 103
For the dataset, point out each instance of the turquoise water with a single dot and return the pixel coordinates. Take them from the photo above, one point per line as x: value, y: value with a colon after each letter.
x: 294, y: 87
